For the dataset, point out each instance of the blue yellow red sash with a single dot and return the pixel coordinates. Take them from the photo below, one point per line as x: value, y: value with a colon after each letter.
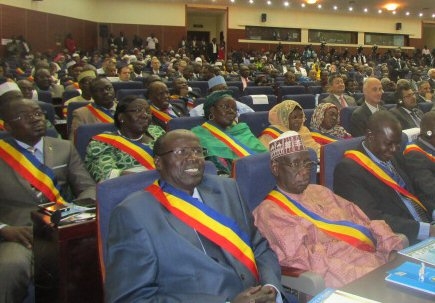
x: 322, y: 138
x: 2, y: 124
x: 31, y: 169
x: 416, y: 148
x: 218, y: 228
x: 366, y: 163
x: 101, y: 114
x: 162, y: 116
x: 189, y: 101
x: 140, y: 152
x: 354, y: 234
x: 237, y: 147
x: 272, y: 131
x: 19, y: 71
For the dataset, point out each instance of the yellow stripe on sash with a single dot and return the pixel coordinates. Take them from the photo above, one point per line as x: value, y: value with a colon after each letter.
x: 99, y: 114
x: 162, y: 116
x: 274, y: 133
x: 227, y: 140
x: 416, y: 148
x: 322, y: 139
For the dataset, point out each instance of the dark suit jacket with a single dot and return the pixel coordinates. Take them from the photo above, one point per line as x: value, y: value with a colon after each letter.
x: 153, y: 256
x: 179, y: 108
x: 376, y: 199
x: 397, y: 71
x: 405, y: 119
x: 422, y: 173
x: 359, y: 119
x: 18, y: 199
x: 332, y: 99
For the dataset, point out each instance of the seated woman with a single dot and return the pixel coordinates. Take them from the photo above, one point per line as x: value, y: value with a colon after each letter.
x: 224, y: 138
x: 324, y: 124
x: 129, y: 149
x: 285, y: 116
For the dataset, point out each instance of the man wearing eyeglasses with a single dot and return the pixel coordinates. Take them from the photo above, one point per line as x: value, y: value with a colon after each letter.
x: 34, y: 169
x: 188, y: 237
x: 311, y: 228
x: 407, y: 111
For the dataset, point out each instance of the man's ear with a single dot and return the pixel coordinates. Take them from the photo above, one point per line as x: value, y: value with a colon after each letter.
x: 274, y: 168
x: 157, y: 162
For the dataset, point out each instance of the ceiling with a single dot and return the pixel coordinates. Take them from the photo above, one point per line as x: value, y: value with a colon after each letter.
x: 423, y: 9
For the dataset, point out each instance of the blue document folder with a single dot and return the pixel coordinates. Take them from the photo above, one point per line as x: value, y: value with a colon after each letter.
x: 408, y: 275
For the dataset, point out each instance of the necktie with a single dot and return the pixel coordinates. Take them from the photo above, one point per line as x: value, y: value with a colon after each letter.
x: 415, y: 117
x: 343, y: 101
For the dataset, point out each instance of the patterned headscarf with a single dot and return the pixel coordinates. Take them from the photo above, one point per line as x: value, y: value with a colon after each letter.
x: 317, y: 119
x: 278, y: 115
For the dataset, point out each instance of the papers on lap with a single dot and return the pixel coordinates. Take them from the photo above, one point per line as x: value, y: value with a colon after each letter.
x: 423, y: 251
x: 330, y: 295
x: 409, y: 275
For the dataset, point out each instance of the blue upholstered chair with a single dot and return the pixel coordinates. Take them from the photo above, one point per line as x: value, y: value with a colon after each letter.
x: 185, y: 122
x: 69, y: 94
x: 202, y: 85
x: 314, y: 89
x: 84, y: 134
x: 256, y: 102
x: 72, y: 107
x: 239, y: 84
x: 127, y: 85
x: 45, y: 96
x: 255, y: 181
x: 291, y: 90
x: 345, y: 115
x: 305, y: 100
x: 122, y: 93
x: 258, y: 90
x: 256, y: 121
x: 236, y: 91
x: 425, y: 107
x: 48, y: 110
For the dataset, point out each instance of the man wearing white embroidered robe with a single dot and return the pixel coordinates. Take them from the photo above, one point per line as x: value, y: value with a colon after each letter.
x: 19, y: 195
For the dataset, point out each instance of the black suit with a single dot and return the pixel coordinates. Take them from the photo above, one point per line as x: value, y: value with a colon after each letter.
x: 359, y: 119
x: 397, y: 69
x: 377, y: 200
x: 178, y: 107
x: 405, y: 118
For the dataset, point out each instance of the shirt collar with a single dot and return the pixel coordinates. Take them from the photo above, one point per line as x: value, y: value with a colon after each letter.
x: 39, y: 146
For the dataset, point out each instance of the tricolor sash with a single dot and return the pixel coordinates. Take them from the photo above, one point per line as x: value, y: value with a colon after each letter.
x: 102, y: 114
x: 162, y: 116
x: 2, y: 124
x: 31, y: 169
x: 237, y: 147
x: 354, y: 234
x: 416, y: 148
x: 322, y: 138
x: 140, y: 152
x: 367, y: 163
x: 218, y: 228
x: 272, y: 131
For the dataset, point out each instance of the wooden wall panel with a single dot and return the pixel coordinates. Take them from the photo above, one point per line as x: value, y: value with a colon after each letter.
x: 56, y: 32
x: 13, y: 22
x: 37, y: 24
x: 172, y: 36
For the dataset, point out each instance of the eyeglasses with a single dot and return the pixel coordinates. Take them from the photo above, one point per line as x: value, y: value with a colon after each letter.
x: 298, y: 166
x: 139, y: 110
x: 226, y: 107
x: 36, y: 115
x: 410, y: 95
x: 184, y: 152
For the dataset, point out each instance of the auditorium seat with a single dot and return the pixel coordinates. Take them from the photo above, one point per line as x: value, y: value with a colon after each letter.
x: 259, y: 102
x: 305, y: 100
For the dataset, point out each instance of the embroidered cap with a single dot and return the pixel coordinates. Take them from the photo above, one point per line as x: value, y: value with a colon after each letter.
x: 216, y: 80
x: 287, y: 143
x: 87, y: 73
x: 7, y: 87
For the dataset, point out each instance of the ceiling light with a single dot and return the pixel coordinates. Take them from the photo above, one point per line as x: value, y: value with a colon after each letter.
x: 391, y: 6
x: 407, y: 13
x: 303, y: 4
x: 269, y: 2
x: 335, y: 7
x: 433, y: 15
x: 286, y: 3
x: 350, y: 8
x: 380, y: 11
x: 251, y: 1
x: 365, y: 10
x: 420, y: 15
x: 311, y: 1
x: 394, y: 12
x: 319, y: 6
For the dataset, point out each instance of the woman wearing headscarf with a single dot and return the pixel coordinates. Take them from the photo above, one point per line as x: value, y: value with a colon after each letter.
x: 325, y: 126
x: 129, y: 148
x: 224, y: 138
x: 285, y: 116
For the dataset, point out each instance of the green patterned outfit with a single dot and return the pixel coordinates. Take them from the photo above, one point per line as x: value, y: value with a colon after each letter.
x: 105, y: 161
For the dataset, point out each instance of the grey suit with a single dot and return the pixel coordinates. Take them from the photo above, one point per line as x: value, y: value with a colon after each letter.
x: 359, y: 119
x: 405, y: 119
x: 333, y: 99
x: 18, y: 199
x: 161, y: 259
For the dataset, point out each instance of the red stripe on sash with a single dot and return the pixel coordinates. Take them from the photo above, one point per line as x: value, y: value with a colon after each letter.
x: 100, y: 115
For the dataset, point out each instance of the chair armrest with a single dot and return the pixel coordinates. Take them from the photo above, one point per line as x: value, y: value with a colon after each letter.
x: 303, y: 281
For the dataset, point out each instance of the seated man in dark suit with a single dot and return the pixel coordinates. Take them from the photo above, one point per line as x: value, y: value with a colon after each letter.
x: 420, y: 160
x: 372, y: 90
x: 173, y: 230
x: 374, y: 178
x: 34, y: 169
x: 162, y: 108
x: 406, y: 110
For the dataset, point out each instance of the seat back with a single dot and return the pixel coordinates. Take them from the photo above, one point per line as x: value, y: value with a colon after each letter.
x: 291, y: 90
x: 48, y: 110
x: 345, y: 115
x: 185, y: 122
x: 258, y: 90
x: 308, y: 114
x: 255, y: 180
x: 122, y: 93
x: 425, y: 106
x: 127, y: 85
x: 202, y: 85
x: 314, y: 89
x: 70, y: 109
x: 69, y: 94
x: 236, y: 91
x: 330, y: 155
x: 323, y: 96
x: 45, y: 96
x: 305, y: 100
x: 239, y: 84
x: 259, y: 102
x: 84, y: 134
x: 113, y: 191
x: 256, y: 121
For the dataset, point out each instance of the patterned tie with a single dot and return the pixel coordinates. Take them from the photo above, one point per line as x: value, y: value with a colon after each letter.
x: 343, y: 101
